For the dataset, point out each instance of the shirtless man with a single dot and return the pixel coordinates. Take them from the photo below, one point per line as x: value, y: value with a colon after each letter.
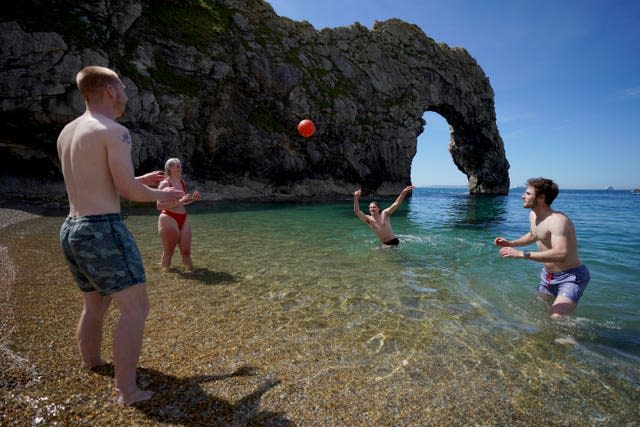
x: 563, y: 276
x: 95, y: 154
x: 380, y: 221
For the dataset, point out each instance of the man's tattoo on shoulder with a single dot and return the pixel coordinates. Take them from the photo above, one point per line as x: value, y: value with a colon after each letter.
x: 126, y: 138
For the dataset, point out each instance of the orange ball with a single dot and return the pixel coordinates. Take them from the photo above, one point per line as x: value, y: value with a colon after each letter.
x: 306, y: 128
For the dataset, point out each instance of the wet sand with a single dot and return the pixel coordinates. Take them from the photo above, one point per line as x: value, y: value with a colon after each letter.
x: 15, y: 370
x: 238, y: 355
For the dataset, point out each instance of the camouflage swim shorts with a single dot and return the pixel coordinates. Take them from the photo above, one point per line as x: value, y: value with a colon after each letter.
x: 101, y: 253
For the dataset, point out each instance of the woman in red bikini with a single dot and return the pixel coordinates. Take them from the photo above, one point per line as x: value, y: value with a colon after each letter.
x: 173, y: 226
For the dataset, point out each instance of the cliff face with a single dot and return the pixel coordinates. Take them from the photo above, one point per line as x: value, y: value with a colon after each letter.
x: 222, y: 85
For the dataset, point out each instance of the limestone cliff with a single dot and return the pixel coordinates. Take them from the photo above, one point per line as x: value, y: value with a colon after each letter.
x: 222, y: 84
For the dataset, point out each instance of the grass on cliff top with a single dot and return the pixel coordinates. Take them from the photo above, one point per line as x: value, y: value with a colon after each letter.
x: 197, y: 23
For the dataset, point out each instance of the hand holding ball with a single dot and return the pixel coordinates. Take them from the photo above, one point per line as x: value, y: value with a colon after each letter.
x: 306, y: 128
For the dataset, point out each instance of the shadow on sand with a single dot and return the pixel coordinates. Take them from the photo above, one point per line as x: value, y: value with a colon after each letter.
x: 183, y: 401
x: 207, y: 277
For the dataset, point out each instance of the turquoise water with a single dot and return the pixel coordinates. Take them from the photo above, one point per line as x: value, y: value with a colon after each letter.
x: 442, y: 318
x: 447, y: 256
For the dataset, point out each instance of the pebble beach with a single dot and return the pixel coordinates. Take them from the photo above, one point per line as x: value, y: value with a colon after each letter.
x: 44, y: 383
x: 276, y: 328
x: 261, y: 373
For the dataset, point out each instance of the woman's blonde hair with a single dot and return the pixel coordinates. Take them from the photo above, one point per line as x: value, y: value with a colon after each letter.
x: 172, y: 161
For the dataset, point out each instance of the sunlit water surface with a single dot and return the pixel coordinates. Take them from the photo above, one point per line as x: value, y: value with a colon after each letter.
x: 441, y: 318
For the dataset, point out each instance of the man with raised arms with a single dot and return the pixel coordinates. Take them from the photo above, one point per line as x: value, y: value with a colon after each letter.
x: 95, y: 154
x: 380, y: 220
x: 563, y: 276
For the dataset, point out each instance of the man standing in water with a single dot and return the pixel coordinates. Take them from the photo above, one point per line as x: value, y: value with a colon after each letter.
x: 95, y: 154
x: 563, y: 276
x: 380, y: 221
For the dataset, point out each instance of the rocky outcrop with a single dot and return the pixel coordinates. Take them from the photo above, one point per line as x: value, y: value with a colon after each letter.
x: 222, y: 84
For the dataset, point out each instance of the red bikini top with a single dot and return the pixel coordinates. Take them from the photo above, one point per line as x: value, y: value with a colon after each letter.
x: 184, y: 185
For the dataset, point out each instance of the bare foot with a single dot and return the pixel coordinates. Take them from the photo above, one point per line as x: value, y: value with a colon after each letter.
x: 135, y: 397
x: 165, y: 269
x: 95, y: 365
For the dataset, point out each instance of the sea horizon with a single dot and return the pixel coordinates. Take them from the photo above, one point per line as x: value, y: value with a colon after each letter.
x: 522, y: 186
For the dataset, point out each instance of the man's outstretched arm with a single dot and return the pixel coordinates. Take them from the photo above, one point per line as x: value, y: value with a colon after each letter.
x: 396, y: 204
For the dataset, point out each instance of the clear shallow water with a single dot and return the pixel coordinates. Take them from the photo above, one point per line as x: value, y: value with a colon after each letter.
x: 447, y: 255
x: 441, y: 318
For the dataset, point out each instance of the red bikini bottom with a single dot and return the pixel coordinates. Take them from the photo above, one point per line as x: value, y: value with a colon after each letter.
x: 179, y: 217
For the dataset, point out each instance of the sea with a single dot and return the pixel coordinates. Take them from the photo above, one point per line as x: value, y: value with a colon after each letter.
x: 442, y: 309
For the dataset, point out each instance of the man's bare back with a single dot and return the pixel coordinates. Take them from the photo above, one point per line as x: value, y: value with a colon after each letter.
x: 83, y: 147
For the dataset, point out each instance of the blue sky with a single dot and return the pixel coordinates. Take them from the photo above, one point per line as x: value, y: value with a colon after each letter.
x: 566, y: 77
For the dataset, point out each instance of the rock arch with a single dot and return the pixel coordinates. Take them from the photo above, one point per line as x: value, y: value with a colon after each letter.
x: 382, y: 81
x: 453, y: 85
x: 225, y: 91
